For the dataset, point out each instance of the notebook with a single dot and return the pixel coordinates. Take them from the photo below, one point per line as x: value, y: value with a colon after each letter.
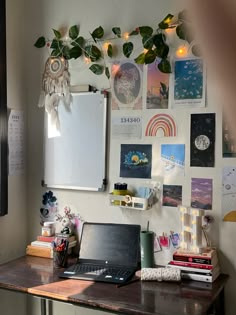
x: 108, y: 252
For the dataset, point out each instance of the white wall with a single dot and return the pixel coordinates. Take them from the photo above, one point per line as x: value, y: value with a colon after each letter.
x: 26, y: 64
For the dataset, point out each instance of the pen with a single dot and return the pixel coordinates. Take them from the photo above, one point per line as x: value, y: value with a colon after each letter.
x: 126, y: 283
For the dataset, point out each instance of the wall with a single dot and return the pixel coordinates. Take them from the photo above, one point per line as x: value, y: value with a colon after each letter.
x: 39, y: 19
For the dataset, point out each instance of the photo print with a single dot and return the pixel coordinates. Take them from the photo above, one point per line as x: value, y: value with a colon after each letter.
x: 201, y: 193
x: 172, y: 195
x: 173, y: 159
x: 157, y: 87
x: 136, y: 160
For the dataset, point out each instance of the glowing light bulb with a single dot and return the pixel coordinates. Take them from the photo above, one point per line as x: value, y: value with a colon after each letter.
x: 181, y: 51
x: 145, y: 50
x: 87, y: 60
x: 126, y: 35
x: 105, y: 45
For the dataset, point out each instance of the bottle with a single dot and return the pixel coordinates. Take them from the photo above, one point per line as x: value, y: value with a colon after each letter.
x: 121, y: 190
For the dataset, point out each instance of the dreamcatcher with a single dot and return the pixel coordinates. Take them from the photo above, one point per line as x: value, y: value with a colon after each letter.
x: 55, y: 87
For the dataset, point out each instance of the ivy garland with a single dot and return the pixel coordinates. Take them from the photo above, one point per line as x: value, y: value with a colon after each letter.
x: 153, y: 41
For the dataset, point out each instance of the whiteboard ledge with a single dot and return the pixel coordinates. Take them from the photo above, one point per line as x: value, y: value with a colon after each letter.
x: 102, y: 188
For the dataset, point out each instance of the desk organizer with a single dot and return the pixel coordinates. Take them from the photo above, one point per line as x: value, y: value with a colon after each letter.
x: 130, y: 202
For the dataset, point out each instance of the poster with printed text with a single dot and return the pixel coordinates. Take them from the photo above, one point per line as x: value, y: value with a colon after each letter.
x: 126, y: 86
x: 136, y: 160
x: 157, y: 87
x: 188, y: 83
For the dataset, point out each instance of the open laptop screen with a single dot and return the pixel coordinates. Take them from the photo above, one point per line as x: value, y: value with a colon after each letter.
x: 112, y: 243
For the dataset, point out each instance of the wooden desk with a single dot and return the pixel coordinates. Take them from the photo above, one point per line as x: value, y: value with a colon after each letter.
x: 35, y: 276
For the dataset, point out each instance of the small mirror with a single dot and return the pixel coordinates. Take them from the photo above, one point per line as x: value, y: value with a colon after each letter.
x: 75, y: 156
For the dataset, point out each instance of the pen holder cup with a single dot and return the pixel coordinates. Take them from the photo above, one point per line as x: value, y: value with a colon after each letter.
x: 60, y: 258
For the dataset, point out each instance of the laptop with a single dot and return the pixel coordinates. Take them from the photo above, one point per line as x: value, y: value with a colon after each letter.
x: 108, y: 252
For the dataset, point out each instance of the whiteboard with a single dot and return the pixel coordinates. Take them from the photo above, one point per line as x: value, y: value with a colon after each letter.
x: 76, y: 159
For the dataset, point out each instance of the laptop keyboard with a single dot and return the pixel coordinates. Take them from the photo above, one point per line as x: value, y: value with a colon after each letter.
x: 98, y: 270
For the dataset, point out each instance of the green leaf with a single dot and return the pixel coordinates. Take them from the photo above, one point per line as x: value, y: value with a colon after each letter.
x: 66, y: 52
x: 164, y: 66
x: 96, y: 69
x: 196, y: 50
x: 145, y: 30
x: 107, y: 73
x: 161, y: 49
x: 98, y: 33
x: 135, y: 32
x: 93, y: 52
x: 150, y: 56
x: 117, y: 31
x: 75, y: 52
x: 110, y: 50
x: 78, y: 42
x: 147, y: 41
x: 164, y: 24
x: 184, y: 32
x: 74, y: 32
x: 56, y: 44
x: 128, y: 49
x: 57, y: 34
x: 40, y: 42
x: 140, y: 59
x: 56, y: 53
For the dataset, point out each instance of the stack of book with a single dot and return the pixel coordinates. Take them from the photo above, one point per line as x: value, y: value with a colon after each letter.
x: 43, y: 245
x: 200, y: 267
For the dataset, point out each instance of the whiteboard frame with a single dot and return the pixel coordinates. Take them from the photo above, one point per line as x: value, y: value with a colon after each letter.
x: 103, y: 185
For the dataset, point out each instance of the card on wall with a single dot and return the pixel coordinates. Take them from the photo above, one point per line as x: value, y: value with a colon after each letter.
x: 136, y: 160
x: 201, y: 193
x: 172, y: 195
x: 202, y: 140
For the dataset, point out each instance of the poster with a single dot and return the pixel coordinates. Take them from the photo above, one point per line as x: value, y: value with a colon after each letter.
x: 136, y: 160
x: 172, y: 195
x: 229, y: 193
x: 126, y: 85
x: 188, y: 83
x: 173, y: 159
x: 201, y: 193
x: 157, y: 87
x: 161, y: 125
x: 228, y: 141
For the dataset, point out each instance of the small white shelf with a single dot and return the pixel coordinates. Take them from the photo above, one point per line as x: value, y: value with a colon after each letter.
x: 129, y: 202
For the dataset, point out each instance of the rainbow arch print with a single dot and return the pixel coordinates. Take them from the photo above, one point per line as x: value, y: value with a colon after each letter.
x: 163, y: 122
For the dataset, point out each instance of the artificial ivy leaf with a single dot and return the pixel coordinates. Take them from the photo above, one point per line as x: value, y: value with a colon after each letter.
x: 75, y: 52
x: 110, y: 50
x: 66, y: 52
x: 57, y: 34
x: 147, y: 41
x: 74, y: 32
x: 128, y: 49
x: 98, y: 33
x: 161, y: 49
x: 150, y: 56
x: 145, y: 30
x: 78, y: 42
x: 184, y: 32
x: 135, y: 32
x: 107, y: 73
x: 164, y: 24
x: 93, y: 52
x: 56, y: 44
x: 96, y: 69
x: 164, y: 66
x: 117, y: 31
x: 40, y: 42
x: 140, y: 59
x: 56, y: 53
x: 196, y: 50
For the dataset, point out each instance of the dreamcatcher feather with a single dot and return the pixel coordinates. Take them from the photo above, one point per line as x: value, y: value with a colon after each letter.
x: 55, y: 87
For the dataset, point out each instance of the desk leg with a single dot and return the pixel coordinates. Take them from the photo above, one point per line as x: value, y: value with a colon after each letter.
x: 43, y: 307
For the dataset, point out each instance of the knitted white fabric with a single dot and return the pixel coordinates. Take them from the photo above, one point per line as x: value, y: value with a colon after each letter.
x: 160, y: 274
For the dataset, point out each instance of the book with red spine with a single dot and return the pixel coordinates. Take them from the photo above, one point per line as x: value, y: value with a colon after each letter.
x: 190, y: 264
x: 50, y: 239
x: 208, y: 258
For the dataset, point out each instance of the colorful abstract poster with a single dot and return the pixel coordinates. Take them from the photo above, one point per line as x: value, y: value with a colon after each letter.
x: 173, y: 159
x: 189, y: 81
x: 229, y: 193
x: 136, y: 160
x: 201, y: 193
x: 126, y: 85
x: 172, y: 195
x: 157, y: 87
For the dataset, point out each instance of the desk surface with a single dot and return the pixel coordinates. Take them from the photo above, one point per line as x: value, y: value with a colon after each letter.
x: 35, y: 276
